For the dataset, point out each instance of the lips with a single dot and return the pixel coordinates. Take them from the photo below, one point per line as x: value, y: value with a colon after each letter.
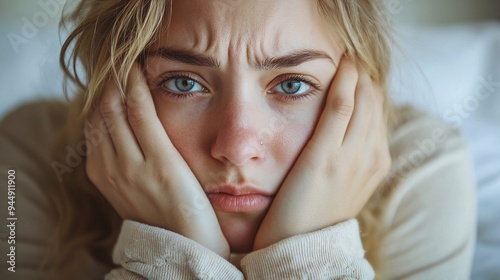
x: 229, y: 198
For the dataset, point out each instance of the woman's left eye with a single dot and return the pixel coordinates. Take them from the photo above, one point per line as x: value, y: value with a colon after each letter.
x: 293, y: 87
x: 182, y: 85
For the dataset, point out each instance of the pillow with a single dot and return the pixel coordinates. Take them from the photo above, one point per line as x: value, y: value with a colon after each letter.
x: 452, y: 72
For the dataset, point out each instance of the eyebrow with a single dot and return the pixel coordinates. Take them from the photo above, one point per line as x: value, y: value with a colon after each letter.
x: 184, y: 56
x: 292, y: 59
x: 289, y: 60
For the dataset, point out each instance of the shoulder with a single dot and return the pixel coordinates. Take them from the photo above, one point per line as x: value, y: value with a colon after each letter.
x: 428, y: 155
x: 432, y: 199
x: 34, y: 119
x: 419, y: 136
x: 431, y: 163
x: 25, y: 138
x: 421, y: 146
x: 27, y: 135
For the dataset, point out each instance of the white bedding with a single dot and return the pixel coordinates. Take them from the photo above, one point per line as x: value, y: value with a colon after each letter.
x: 443, y: 72
x: 487, y: 165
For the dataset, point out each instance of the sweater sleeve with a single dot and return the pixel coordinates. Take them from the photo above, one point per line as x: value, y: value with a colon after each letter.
x: 430, y: 218
x: 335, y: 252
x: 147, y: 252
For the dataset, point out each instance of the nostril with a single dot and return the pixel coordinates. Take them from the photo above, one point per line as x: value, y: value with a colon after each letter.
x: 237, y: 151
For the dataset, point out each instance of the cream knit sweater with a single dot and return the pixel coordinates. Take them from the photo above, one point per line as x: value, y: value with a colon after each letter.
x: 428, y: 223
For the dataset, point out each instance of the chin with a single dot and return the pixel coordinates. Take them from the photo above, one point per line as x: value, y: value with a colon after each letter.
x: 239, y: 230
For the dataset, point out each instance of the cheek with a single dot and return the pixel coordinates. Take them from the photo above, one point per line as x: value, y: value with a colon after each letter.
x: 291, y: 138
x: 297, y: 129
x: 185, y: 134
x: 291, y: 142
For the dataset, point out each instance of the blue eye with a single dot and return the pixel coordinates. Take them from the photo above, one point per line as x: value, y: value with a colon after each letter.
x: 293, y: 86
x: 182, y: 85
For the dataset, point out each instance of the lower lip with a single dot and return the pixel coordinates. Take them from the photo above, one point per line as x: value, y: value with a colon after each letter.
x: 238, y: 203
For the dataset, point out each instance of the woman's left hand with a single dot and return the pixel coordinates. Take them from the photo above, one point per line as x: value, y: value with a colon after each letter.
x: 340, y: 167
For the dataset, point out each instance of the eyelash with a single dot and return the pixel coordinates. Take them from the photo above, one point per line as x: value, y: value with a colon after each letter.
x: 315, y: 87
x: 162, y: 79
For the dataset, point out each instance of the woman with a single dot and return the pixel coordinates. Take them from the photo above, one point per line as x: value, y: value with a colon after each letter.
x: 247, y: 139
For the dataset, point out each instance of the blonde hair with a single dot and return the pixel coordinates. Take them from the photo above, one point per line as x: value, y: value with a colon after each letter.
x: 108, y: 37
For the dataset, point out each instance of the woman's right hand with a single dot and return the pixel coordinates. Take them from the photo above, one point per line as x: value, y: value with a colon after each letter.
x: 135, y: 166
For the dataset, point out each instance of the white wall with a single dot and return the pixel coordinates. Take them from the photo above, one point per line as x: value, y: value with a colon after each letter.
x: 30, y: 48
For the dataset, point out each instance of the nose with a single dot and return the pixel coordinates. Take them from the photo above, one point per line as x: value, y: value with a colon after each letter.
x: 237, y: 141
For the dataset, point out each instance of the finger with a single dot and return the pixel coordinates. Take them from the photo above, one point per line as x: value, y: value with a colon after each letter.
x: 334, y: 120
x: 142, y: 117
x: 367, y: 129
x: 100, y: 149
x: 114, y: 114
x: 90, y: 145
x: 97, y: 135
x: 363, y: 120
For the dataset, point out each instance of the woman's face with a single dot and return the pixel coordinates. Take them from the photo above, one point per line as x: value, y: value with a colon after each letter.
x: 239, y: 86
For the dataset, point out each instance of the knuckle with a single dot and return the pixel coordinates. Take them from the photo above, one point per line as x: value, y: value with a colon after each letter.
x: 136, y: 115
x: 128, y: 167
x: 102, y: 176
x: 350, y: 72
x: 110, y: 107
x: 135, y: 107
x: 333, y: 165
x: 351, y: 77
x: 112, y: 180
x: 91, y: 171
x: 114, y: 177
x: 343, y: 106
x: 128, y: 174
x: 382, y: 162
x: 160, y: 172
x: 138, y: 94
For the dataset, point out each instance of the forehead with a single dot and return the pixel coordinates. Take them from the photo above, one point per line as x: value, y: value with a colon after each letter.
x: 251, y: 29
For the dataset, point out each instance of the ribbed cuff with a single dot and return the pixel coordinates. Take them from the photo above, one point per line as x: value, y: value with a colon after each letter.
x: 335, y: 252
x: 155, y: 253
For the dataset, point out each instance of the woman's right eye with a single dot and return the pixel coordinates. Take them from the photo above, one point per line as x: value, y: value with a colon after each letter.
x: 182, y: 85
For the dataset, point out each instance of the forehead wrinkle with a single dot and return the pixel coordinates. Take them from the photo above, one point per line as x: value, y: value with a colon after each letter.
x: 230, y: 38
x: 201, y: 35
x: 264, y: 46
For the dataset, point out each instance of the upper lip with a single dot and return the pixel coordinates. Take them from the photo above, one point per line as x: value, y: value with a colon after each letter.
x: 236, y: 190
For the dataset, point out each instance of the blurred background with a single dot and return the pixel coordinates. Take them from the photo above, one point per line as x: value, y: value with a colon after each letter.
x: 447, y: 62
x: 440, y: 12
